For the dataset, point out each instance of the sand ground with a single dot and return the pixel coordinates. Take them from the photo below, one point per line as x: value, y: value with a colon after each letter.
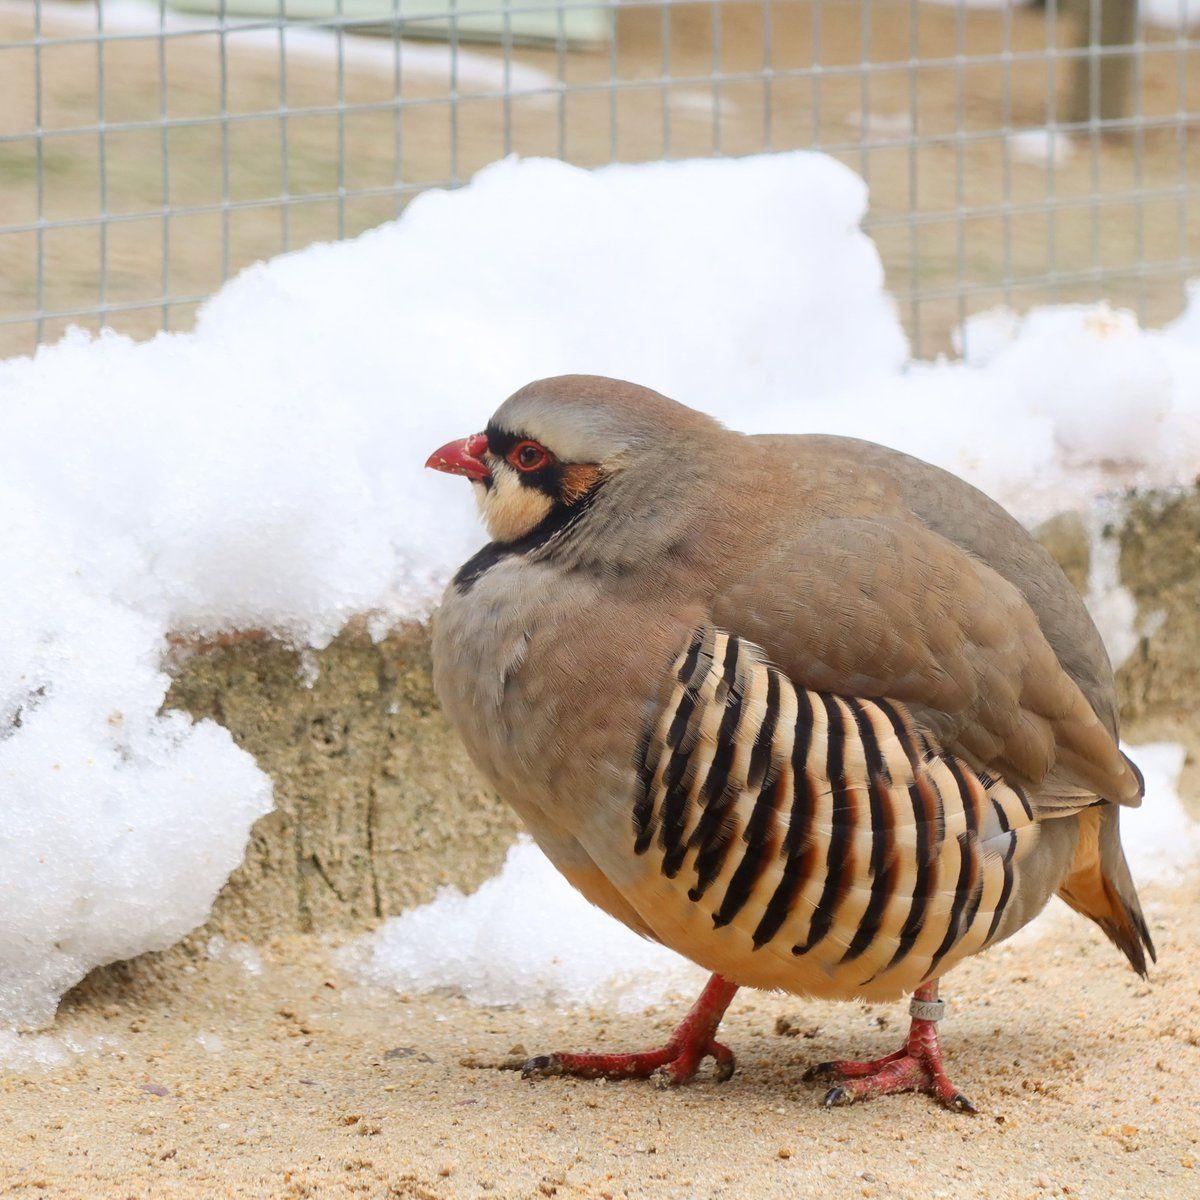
x: 295, y: 1082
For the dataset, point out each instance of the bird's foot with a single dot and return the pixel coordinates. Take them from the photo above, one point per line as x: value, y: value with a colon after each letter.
x: 673, y: 1064
x: 917, y: 1067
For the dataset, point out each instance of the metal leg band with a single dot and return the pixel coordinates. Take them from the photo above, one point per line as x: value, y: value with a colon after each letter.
x: 927, y: 1010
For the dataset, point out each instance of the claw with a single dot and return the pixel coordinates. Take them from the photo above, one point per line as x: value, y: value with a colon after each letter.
x: 726, y: 1063
x: 837, y: 1096
x: 542, y: 1067
x: 959, y: 1103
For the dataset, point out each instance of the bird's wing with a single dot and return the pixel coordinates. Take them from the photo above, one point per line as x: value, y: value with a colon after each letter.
x: 886, y: 608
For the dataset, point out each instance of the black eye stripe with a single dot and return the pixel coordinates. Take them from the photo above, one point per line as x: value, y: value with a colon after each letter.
x: 546, y: 479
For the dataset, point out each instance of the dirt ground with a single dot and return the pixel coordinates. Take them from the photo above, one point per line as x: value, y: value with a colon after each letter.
x: 296, y: 1082
x: 1079, y: 219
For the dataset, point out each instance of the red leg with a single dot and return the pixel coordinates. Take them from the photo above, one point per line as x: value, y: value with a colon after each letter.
x: 676, y: 1062
x: 916, y: 1067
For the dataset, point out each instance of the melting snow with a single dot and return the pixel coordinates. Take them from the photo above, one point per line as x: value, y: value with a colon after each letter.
x: 525, y: 937
x: 238, y: 954
x: 24, y: 1052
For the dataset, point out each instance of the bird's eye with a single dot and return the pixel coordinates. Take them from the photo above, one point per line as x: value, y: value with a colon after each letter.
x: 530, y: 456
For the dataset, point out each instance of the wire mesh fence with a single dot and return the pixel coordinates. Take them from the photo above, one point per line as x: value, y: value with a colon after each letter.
x: 1015, y: 155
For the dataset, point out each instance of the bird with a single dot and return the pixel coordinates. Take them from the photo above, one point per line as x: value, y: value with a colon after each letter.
x: 817, y: 715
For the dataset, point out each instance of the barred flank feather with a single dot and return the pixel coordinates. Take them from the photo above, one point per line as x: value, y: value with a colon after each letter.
x: 824, y: 824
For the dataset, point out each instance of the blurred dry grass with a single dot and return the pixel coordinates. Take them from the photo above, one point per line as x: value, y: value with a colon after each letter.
x: 428, y: 141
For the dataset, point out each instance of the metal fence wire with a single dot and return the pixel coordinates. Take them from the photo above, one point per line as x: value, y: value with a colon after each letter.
x: 1015, y: 155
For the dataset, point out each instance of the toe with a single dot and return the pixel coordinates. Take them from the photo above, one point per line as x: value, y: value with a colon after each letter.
x: 837, y: 1097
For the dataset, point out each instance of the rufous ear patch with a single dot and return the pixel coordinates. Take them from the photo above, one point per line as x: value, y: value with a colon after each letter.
x: 577, y: 480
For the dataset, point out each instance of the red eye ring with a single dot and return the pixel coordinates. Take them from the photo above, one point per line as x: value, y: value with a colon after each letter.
x: 529, y: 456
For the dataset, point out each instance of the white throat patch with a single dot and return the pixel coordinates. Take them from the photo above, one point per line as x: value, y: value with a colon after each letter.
x: 508, y: 508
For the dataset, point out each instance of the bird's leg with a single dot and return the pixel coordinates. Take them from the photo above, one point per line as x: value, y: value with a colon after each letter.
x: 676, y: 1062
x: 915, y: 1067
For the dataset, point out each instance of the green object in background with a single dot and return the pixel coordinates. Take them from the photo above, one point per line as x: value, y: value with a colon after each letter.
x: 579, y: 21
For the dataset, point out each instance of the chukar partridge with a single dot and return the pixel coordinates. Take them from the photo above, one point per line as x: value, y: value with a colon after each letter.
x: 817, y: 715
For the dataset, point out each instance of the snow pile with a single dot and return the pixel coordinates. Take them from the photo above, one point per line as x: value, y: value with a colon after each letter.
x: 117, y: 824
x: 267, y: 470
x: 1111, y: 605
x: 1170, y: 14
x: 43, y: 1051
x: 525, y: 937
x: 1046, y: 411
x: 1160, y: 838
x: 212, y: 1043
x: 237, y: 954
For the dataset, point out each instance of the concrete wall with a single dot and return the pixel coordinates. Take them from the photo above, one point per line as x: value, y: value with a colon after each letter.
x: 376, y: 803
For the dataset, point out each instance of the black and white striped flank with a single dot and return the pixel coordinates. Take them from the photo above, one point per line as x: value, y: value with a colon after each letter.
x: 826, y: 824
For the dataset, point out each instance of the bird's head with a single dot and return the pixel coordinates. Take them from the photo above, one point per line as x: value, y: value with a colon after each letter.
x: 549, y: 449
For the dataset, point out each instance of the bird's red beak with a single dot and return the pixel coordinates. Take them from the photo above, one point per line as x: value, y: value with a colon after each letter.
x: 463, y: 457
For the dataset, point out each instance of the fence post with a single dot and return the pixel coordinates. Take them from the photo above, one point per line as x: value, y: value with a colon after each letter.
x: 1117, y: 21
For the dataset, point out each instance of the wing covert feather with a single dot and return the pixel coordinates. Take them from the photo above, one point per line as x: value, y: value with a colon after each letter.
x: 882, y: 608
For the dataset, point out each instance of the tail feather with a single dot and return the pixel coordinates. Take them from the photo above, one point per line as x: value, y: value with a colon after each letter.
x: 1099, y: 885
